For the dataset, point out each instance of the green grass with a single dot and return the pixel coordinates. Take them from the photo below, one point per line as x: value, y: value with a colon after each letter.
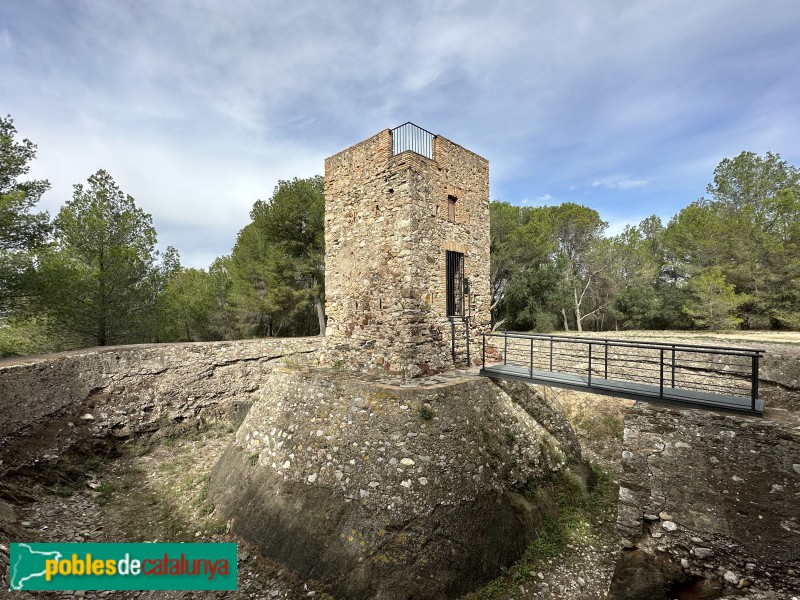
x: 30, y: 336
x: 215, y: 527
x: 200, y: 501
x: 106, y: 491
x: 575, y: 522
x: 96, y: 463
x: 67, y: 489
x: 601, y: 425
x: 137, y: 447
x: 197, y: 433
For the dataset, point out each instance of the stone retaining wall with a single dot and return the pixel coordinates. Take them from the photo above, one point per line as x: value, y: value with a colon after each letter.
x: 717, y: 496
x: 381, y: 491
x: 44, y: 400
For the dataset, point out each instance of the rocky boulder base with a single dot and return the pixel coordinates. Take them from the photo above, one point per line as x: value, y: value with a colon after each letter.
x: 383, y: 491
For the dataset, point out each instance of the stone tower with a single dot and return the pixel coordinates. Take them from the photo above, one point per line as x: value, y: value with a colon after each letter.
x: 406, y: 253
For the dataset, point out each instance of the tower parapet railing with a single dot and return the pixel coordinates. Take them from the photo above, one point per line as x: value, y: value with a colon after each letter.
x: 414, y: 138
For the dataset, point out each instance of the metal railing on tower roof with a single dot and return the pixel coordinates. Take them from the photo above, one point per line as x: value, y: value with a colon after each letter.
x: 414, y: 138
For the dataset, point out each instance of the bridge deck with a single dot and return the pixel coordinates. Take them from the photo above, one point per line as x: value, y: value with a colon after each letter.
x: 626, y: 389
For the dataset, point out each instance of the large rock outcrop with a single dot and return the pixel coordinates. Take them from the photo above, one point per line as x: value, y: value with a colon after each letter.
x: 383, y: 491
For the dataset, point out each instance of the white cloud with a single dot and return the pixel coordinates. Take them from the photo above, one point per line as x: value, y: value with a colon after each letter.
x: 198, y: 109
x: 619, y: 182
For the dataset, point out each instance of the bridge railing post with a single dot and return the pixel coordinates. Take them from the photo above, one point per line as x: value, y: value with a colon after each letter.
x: 605, y: 365
x: 551, y: 355
x: 661, y: 374
x: 590, y: 364
x: 466, y: 335
x: 483, y: 353
x: 754, y: 383
x: 531, y: 369
x: 673, y: 367
x: 505, y: 348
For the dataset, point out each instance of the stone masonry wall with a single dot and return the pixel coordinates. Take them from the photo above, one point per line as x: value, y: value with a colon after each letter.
x: 394, y: 492
x: 47, y: 401
x: 386, y: 232
x: 420, y: 488
x: 716, y: 496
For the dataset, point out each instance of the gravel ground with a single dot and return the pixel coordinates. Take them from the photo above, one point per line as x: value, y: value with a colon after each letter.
x: 584, y: 569
x: 154, y: 496
x: 159, y: 494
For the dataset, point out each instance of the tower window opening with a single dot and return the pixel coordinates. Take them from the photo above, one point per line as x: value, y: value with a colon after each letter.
x: 451, y: 208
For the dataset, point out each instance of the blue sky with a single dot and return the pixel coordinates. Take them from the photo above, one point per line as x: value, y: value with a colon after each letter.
x: 198, y: 108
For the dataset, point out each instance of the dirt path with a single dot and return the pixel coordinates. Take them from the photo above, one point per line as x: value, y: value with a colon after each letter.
x: 160, y: 494
x: 149, y: 495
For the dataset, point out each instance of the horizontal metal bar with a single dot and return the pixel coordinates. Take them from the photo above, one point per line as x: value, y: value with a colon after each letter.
x: 725, y: 350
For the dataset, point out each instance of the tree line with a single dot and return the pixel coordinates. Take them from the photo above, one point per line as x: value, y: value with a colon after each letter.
x: 728, y: 261
x: 91, y: 275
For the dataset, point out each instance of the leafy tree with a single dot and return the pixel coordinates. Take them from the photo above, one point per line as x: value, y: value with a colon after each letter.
x: 189, y: 299
x: 693, y: 239
x: 520, y: 240
x: 534, y: 298
x: 759, y: 198
x: 528, y: 246
x: 715, y: 301
x: 252, y: 281
x: 635, y: 306
x: 670, y: 313
x: 755, y: 184
x: 747, y: 232
x: 577, y: 231
x: 633, y: 274
x: 749, y: 229
x: 277, y: 265
x: 100, y: 279
x: 194, y: 304
x: 21, y: 231
x: 223, y: 322
x: 504, y: 219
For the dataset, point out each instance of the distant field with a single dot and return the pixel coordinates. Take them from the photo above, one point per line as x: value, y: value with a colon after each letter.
x: 751, y: 339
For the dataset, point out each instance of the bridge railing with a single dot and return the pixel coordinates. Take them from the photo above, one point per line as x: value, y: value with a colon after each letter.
x: 720, y: 370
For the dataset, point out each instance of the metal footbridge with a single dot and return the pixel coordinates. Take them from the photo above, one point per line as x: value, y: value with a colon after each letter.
x: 710, y: 377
